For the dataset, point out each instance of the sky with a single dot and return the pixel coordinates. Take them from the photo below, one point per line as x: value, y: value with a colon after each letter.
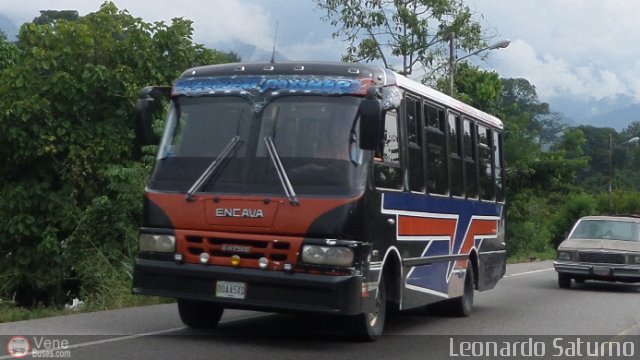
x: 577, y: 49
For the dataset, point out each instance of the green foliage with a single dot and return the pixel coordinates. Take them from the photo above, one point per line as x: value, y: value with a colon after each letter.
x: 478, y: 88
x: 570, y: 209
x: 622, y: 202
x: 50, y: 16
x: 414, y: 33
x: 8, y: 53
x: 528, y: 225
x: 70, y: 180
x: 619, y: 159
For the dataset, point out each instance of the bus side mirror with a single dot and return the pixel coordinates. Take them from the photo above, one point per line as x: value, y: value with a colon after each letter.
x: 370, y: 123
x: 143, y: 120
x: 145, y: 110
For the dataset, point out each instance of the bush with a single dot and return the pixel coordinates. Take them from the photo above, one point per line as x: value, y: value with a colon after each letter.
x: 528, y: 226
x: 71, y: 178
x: 572, y: 208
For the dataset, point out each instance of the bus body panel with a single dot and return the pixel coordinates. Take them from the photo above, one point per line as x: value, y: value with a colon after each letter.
x: 271, y: 289
x: 435, y: 237
x: 251, y: 214
x: 265, y: 290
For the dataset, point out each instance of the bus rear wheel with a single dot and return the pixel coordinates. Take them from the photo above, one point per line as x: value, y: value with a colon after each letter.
x: 369, y: 326
x: 462, y: 306
x: 199, y: 314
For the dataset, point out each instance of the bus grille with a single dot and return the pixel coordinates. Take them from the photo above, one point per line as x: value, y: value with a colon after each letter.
x: 222, y: 249
x: 602, y: 258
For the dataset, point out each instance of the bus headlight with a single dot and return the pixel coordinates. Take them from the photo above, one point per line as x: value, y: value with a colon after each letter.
x: 327, y: 255
x: 157, y: 243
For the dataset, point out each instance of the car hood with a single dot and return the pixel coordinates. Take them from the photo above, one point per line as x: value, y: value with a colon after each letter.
x: 600, y: 244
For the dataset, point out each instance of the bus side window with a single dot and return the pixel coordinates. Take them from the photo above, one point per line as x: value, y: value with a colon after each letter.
x: 471, y: 171
x: 455, y: 155
x: 485, y: 163
x: 414, y: 137
x: 436, y: 129
x: 387, y: 171
x: 497, y: 160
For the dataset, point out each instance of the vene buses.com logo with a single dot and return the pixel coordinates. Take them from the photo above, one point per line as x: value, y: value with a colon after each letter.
x: 18, y: 346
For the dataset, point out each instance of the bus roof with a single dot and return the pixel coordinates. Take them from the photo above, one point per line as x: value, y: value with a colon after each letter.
x: 447, y: 100
x: 379, y: 75
x: 334, y: 69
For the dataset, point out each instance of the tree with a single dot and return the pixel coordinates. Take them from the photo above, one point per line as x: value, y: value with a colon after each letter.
x: 478, y: 88
x: 70, y: 182
x: 50, y: 16
x: 550, y: 128
x: 8, y: 52
x: 415, y: 31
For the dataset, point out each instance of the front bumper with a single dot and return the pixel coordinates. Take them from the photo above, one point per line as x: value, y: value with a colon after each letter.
x: 610, y: 272
x: 265, y: 290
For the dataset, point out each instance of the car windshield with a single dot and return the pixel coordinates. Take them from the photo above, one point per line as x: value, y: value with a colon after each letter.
x: 607, y: 230
x: 311, y: 134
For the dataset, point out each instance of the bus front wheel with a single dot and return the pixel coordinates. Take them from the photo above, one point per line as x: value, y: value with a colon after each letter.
x: 368, y: 326
x: 199, y: 314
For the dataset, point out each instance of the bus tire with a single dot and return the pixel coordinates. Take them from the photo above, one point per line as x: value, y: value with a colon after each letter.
x: 462, y: 306
x: 369, y: 326
x: 199, y: 314
x: 564, y: 281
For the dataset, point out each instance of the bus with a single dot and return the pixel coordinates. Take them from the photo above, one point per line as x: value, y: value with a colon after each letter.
x: 334, y: 188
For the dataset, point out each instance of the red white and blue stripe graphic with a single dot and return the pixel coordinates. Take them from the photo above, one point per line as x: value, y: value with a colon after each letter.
x: 443, y: 227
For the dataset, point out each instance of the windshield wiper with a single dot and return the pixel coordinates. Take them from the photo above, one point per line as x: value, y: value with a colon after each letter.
x: 282, y: 174
x: 213, y: 168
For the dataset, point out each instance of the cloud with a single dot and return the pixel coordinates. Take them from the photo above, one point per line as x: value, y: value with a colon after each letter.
x: 570, y: 47
x: 328, y: 50
x: 215, y: 21
x: 556, y: 76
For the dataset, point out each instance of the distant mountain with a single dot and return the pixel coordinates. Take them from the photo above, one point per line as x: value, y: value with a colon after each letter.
x: 614, y: 112
x: 8, y: 27
x: 618, y: 119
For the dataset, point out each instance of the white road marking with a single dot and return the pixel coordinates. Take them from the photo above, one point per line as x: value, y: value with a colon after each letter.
x: 129, y: 337
x: 529, y: 272
x: 105, y: 341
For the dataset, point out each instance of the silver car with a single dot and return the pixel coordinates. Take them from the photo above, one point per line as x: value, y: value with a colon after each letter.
x: 603, y: 248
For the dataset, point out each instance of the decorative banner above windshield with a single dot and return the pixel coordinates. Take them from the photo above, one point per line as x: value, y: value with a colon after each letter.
x: 261, y: 84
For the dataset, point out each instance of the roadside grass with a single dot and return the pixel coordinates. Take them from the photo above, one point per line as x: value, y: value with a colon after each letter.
x: 518, y: 258
x: 10, y: 312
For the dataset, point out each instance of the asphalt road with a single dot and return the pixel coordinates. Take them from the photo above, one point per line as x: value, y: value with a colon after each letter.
x: 526, y: 306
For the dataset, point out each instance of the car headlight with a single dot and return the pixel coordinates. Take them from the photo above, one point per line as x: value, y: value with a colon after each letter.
x: 635, y: 259
x: 157, y: 243
x: 564, y: 255
x: 327, y: 255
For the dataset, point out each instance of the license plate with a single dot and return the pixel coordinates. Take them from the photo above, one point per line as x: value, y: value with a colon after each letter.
x: 229, y: 289
x: 601, y: 270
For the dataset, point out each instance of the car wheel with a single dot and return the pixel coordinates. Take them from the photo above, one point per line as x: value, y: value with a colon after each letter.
x: 564, y: 281
x: 199, y: 314
x: 368, y: 326
x: 579, y: 280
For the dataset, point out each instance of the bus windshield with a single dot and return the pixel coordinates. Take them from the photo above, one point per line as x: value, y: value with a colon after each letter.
x: 314, y: 137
